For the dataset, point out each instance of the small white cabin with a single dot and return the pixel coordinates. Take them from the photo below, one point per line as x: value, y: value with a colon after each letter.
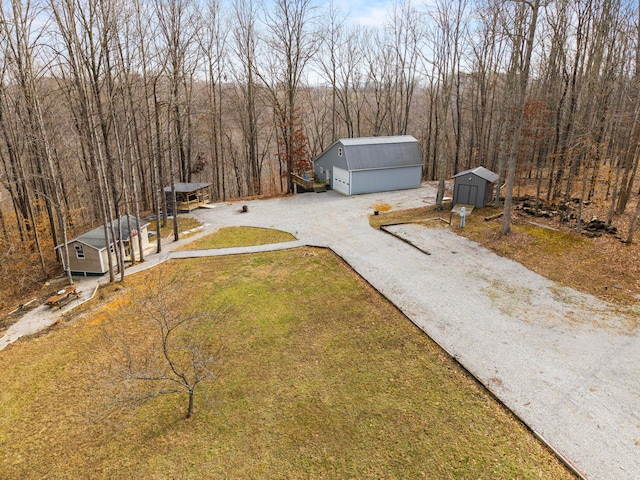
x: 88, y: 253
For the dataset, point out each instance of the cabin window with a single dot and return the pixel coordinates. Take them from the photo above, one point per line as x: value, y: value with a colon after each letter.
x: 111, y: 248
x: 79, y: 251
x: 339, y: 151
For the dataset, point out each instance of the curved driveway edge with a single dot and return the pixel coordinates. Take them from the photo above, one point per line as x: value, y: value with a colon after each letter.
x: 218, y: 252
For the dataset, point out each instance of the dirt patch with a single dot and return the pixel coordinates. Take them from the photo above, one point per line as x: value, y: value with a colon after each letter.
x: 381, y: 207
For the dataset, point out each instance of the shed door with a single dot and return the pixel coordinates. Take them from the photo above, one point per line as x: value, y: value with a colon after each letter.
x: 468, y: 194
x: 341, y: 181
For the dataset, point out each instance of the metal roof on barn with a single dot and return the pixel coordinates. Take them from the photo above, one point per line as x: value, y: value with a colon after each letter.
x: 370, y: 153
x: 95, y: 238
x: 381, y: 152
x: 481, y: 172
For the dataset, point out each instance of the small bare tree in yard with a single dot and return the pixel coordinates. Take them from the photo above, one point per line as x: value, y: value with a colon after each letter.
x: 168, y: 348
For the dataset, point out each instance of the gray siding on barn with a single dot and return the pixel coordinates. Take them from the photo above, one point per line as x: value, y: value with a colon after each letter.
x: 325, y: 162
x: 385, y: 179
x: 383, y: 155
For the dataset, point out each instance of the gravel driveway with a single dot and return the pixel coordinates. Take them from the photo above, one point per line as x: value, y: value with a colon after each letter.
x: 566, y: 363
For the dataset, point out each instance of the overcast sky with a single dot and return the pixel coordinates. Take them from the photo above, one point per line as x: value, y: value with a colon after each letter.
x: 371, y: 13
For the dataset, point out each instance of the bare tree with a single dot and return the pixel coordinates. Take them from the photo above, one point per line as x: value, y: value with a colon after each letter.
x: 634, y: 223
x: 84, y: 35
x: 175, y: 354
x: 291, y: 46
x: 328, y: 59
x: 245, y: 39
x: 213, y: 43
x: 487, y: 53
x: 447, y: 36
x: 522, y: 50
x: 405, y: 37
x: 179, y: 28
x: 16, y: 27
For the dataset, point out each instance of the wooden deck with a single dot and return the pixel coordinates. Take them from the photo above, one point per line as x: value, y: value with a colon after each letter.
x: 306, y: 184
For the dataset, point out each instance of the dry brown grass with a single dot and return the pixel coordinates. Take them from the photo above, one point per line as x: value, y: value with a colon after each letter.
x: 185, y: 223
x: 306, y: 388
x: 407, y: 216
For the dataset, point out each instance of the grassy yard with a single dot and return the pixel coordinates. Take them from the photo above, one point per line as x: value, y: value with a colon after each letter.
x: 319, y: 377
x: 239, y: 237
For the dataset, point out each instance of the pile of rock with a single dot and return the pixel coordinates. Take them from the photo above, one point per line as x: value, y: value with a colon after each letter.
x: 544, y: 209
x: 595, y: 228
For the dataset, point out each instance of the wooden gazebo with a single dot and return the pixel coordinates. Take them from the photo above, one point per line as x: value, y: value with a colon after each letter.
x: 189, y: 196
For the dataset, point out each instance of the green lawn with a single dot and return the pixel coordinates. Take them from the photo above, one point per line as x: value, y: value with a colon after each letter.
x: 239, y: 237
x: 319, y: 377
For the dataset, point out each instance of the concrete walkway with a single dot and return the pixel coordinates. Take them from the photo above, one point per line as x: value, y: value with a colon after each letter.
x: 42, y: 317
x: 566, y: 363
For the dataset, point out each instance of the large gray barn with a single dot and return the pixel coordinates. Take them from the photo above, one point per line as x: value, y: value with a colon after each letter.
x: 370, y: 164
x: 474, y: 187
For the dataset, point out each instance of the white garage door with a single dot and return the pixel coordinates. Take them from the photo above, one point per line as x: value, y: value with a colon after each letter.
x: 341, y: 181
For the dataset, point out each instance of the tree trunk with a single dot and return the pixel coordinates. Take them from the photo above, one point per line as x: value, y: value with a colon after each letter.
x: 634, y: 223
x: 190, y: 408
x: 519, y: 108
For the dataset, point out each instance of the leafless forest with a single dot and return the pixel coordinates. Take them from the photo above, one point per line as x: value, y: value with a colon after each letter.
x: 105, y: 102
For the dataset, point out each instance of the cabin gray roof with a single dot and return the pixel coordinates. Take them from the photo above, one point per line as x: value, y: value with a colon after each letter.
x: 95, y: 238
x: 368, y: 153
x: 481, y: 172
x: 183, y: 187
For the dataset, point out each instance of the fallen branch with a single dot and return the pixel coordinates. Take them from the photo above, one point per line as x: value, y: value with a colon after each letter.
x: 405, y: 240
x: 493, y: 217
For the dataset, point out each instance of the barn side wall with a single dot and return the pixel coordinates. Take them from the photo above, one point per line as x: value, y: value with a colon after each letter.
x: 385, y: 179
